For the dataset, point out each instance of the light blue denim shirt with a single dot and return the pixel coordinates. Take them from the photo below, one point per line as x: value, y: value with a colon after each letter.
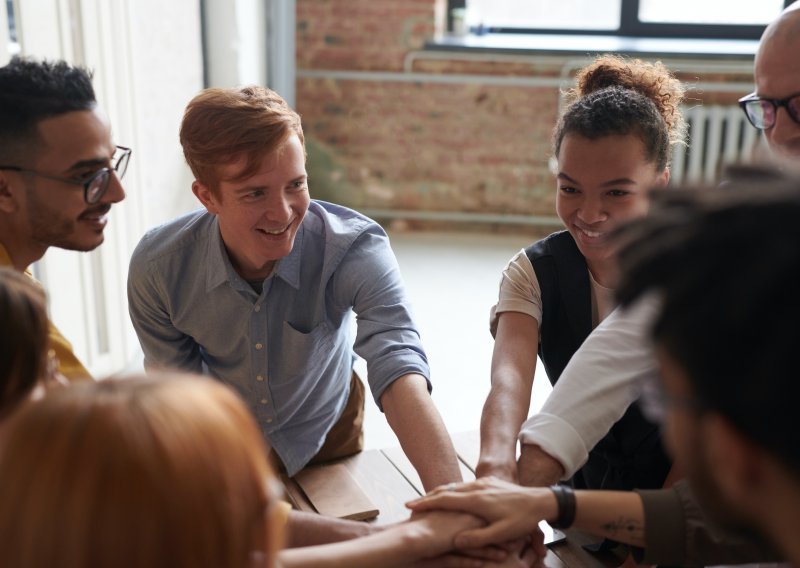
x: 289, y: 350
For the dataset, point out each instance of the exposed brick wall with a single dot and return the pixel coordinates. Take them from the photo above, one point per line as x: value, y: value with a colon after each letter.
x: 423, y: 145
x: 363, y: 34
x: 430, y: 146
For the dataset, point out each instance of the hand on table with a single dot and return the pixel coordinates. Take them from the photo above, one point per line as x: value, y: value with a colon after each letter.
x: 511, y: 511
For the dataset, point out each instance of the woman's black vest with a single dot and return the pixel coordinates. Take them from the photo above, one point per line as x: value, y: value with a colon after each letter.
x: 630, y: 455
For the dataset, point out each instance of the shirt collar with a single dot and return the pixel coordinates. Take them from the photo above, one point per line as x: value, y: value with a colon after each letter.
x: 220, y: 270
x: 217, y: 262
x: 289, y: 267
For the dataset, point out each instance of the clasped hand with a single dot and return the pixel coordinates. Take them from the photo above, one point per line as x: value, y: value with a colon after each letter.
x: 511, y: 512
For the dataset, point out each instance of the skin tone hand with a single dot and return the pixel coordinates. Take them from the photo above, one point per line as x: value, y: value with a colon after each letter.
x: 511, y: 511
x: 514, y: 554
x: 494, y: 554
x: 427, y: 536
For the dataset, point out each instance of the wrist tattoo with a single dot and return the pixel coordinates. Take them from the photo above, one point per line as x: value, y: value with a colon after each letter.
x: 631, y: 528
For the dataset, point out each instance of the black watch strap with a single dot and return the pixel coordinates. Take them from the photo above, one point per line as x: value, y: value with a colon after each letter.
x: 565, y: 498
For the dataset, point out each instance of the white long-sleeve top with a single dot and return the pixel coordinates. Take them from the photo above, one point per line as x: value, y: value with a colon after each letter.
x: 601, y: 381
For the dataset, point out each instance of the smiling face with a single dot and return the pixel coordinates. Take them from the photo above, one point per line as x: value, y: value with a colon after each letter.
x: 48, y: 212
x: 601, y: 183
x: 259, y: 216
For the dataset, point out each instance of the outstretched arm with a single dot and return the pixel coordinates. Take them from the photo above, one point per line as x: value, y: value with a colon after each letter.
x: 513, y: 511
x: 428, y: 536
x: 506, y: 407
x: 310, y: 529
x: 419, y: 427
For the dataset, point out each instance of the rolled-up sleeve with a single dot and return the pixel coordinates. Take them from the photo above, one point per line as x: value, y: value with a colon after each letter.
x: 598, y: 385
x: 387, y: 337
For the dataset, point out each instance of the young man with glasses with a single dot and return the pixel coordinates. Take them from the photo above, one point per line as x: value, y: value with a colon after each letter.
x: 60, y: 171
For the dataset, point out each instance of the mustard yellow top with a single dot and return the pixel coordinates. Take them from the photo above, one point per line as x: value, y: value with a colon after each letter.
x: 282, y: 513
x: 68, y: 363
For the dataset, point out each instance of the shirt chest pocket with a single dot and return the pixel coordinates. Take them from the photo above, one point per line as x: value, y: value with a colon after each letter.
x: 305, y: 353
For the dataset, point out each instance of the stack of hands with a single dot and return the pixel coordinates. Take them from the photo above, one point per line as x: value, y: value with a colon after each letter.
x: 488, y: 522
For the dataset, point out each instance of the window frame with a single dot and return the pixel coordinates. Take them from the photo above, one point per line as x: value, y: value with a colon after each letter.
x: 631, y: 26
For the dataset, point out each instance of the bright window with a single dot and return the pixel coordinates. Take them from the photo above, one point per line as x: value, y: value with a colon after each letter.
x: 572, y: 14
x: 733, y: 19
x: 720, y: 12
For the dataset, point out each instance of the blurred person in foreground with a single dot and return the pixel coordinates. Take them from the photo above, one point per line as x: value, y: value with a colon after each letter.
x: 166, y: 472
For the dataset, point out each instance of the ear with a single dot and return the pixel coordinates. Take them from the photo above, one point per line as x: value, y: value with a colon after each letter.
x: 206, y: 197
x: 663, y: 179
x: 737, y: 465
x: 8, y: 193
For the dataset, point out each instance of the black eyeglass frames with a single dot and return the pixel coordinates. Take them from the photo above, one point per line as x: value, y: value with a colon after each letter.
x: 762, y: 112
x: 94, y: 186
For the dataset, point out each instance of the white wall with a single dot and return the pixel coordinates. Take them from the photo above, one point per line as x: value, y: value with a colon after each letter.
x: 147, y: 58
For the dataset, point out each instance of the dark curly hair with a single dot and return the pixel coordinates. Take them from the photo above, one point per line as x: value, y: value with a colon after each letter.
x: 617, y: 96
x: 31, y: 91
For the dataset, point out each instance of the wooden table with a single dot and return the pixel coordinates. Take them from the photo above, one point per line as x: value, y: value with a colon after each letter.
x: 389, y: 480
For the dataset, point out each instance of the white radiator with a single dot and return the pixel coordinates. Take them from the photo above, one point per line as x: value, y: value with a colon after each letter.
x: 718, y: 135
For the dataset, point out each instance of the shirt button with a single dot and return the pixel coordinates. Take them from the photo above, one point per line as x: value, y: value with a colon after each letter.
x: 263, y: 401
x: 259, y: 378
x: 269, y: 420
x: 257, y: 308
x: 259, y: 346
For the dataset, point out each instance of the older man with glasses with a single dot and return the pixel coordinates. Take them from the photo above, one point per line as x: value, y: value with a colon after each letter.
x: 60, y: 171
x: 777, y: 74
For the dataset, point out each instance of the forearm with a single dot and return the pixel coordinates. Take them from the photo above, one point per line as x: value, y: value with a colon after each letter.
x: 513, y: 368
x: 421, y: 431
x: 425, y: 536
x: 616, y: 515
x: 513, y: 511
x: 389, y: 549
x: 309, y: 529
x: 504, y: 412
x: 537, y: 468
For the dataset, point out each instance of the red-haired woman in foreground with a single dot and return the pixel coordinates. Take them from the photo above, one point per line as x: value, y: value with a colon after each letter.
x: 168, y: 472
